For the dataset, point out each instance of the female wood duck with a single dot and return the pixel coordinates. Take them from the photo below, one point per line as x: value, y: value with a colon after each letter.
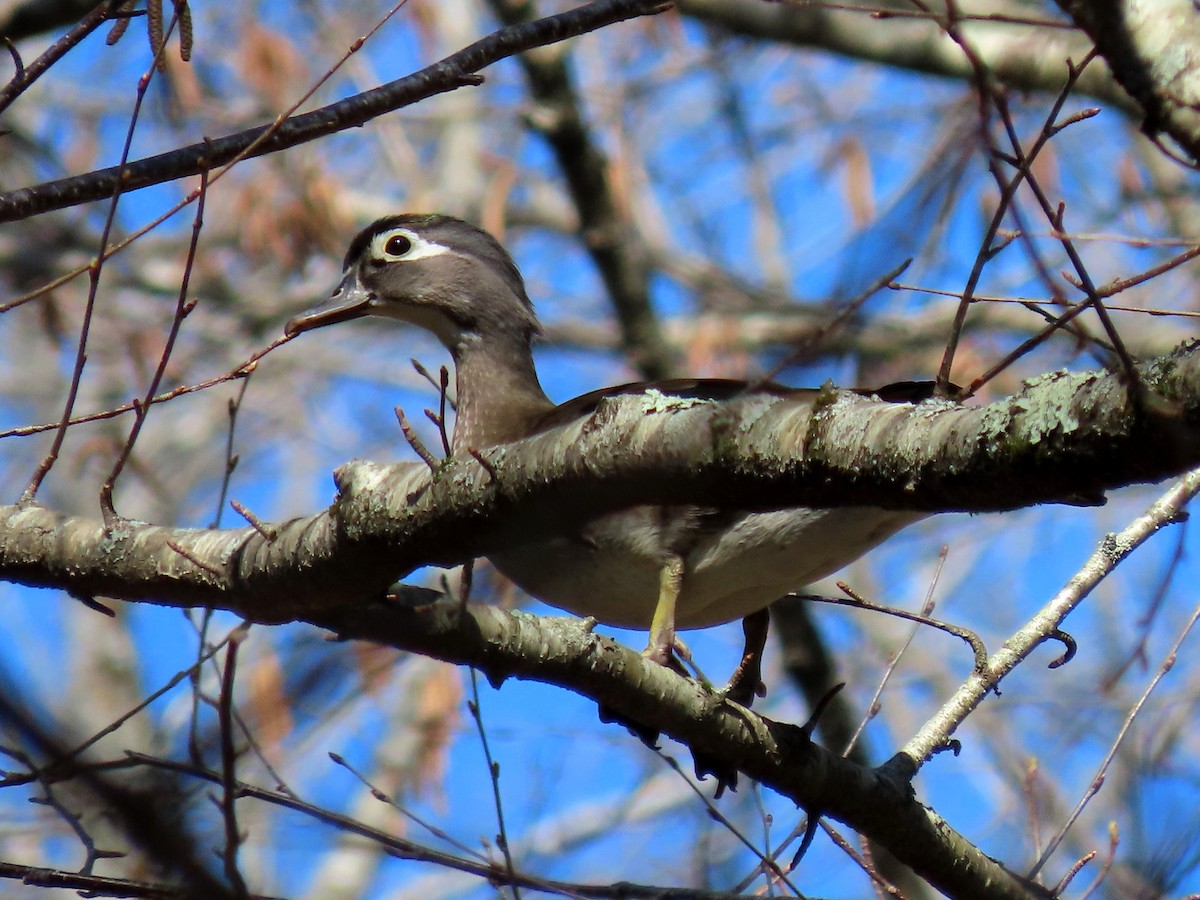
x: 657, y: 567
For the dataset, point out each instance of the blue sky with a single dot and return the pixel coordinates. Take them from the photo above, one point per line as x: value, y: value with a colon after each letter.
x: 558, y: 764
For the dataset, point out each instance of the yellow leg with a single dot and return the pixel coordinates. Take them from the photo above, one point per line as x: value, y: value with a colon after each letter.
x: 662, y: 627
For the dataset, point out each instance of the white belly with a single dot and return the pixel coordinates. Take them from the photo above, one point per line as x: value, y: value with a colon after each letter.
x: 610, y: 570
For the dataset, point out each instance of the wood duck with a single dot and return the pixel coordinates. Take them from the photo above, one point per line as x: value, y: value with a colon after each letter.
x: 655, y: 567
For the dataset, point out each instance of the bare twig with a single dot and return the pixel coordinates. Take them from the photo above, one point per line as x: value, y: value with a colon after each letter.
x: 195, y: 560
x: 142, y: 407
x: 231, y: 458
x: 229, y: 754
x: 257, y: 524
x: 856, y: 601
x: 1098, y: 780
x: 766, y: 861
x: 415, y: 441
x: 990, y: 97
x: 241, y: 370
x: 455, y: 71
x: 894, y: 661
x: 27, y: 75
x: 382, y: 797
x: 494, y: 773
x: 93, y: 271
x: 1164, y: 511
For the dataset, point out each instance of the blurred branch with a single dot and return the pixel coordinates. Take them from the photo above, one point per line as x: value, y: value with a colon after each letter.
x: 99, y: 886
x: 145, y: 812
x: 1020, y: 54
x: 1153, y: 52
x: 451, y: 73
x: 26, y: 75
x: 812, y: 668
x: 467, y: 861
x: 890, y: 337
x: 607, y: 234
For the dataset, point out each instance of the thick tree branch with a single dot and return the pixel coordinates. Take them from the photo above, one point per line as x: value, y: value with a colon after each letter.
x: 1065, y: 438
x: 1153, y: 50
x: 1025, y: 57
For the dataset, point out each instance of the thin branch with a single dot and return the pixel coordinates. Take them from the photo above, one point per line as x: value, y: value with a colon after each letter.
x: 182, y: 308
x: 382, y: 797
x: 241, y: 370
x: 989, y: 98
x: 767, y: 866
x: 229, y: 754
x: 402, y: 848
x: 1164, y: 511
x: 94, y: 270
x: 94, y: 885
x: 455, y: 71
x: 494, y: 777
x: 894, y: 660
x: 231, y: 458
x: 1101, y: 771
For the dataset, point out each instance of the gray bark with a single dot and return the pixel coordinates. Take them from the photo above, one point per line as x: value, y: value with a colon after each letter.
x: 1066, y: 438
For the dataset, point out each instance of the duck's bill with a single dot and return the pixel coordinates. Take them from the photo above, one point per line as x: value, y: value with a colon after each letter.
x: 350, y: 300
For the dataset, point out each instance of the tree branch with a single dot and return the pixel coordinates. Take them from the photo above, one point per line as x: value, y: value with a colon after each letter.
x: 1066, y: 438
x: 1022, y: 56
x: 618, y: 255
x: 447, y: 75
x: 1153, y: 52
x: 878, y: 803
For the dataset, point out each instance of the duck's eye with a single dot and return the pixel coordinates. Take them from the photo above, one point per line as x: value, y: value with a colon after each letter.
x: 397, y: 245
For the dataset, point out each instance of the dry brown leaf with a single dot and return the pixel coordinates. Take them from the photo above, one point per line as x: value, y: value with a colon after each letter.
x: 270, y: 64
x: 267, y: 702
x: 857, y: 181
x: 439, y: 698
x: 186, y: 90
x: 1045, y: 170
x: 1129, y: 175
x: 375, y: 665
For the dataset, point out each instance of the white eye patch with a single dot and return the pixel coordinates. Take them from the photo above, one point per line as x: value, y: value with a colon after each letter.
x: 402, y: 245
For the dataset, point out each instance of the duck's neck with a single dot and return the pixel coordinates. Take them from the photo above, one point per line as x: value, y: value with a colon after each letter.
x: 498, y: 393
